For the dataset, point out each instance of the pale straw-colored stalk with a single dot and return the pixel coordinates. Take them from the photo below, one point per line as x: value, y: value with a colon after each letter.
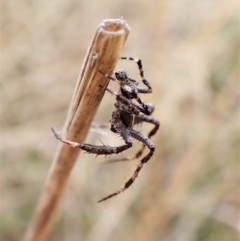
x: 102, y: 55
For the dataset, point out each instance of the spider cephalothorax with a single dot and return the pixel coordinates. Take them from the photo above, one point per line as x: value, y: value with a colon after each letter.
x: 127, y: 114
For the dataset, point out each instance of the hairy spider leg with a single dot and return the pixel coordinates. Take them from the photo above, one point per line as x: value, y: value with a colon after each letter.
x: 146, y: 141
x: 108, y: 76
x: 137, y: 120
x: 103, y: 150
x: 128, y: 102
x: 140, y: 67
x: 149, y: 119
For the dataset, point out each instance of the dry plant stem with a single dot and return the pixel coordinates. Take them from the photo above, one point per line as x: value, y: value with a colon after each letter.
x: 102, y: 55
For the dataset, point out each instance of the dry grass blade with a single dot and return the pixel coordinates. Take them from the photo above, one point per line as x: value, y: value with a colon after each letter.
x: 102, y: 55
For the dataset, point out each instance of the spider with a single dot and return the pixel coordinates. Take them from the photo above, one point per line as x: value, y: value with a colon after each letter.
x: 124, y: 117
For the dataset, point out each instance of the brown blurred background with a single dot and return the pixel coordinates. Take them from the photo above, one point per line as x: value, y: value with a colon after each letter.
x: 189, y: 191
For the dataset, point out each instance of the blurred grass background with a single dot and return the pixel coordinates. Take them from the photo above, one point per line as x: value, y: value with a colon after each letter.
x: 190, y: 188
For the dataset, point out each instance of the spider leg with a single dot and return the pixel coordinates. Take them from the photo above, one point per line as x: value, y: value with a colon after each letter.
x: 146, y: 141
x: 139, y: 119
x: 140, y: 67
x: 149, y: 119
x: 127, y: 108
x: 127, y: 102
x: 107, y: 76
x: 103, y: 150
